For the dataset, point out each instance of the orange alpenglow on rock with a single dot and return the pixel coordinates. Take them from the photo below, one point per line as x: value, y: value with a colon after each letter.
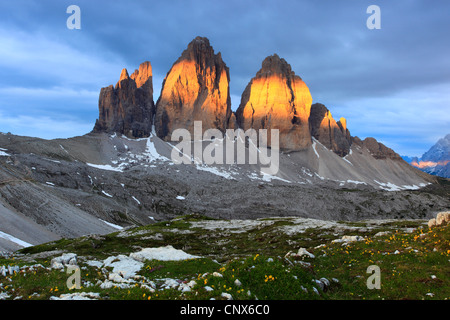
x: 333, y: 135
x: 429, y: 164
x: 276, y: 98
x: 195, y: 89
x: 128, y: 107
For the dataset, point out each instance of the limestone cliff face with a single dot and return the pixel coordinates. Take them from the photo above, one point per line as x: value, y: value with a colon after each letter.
x: 276, y: 98
x: 128, y: 107
x: 195, y: 89
x: 333, y: 135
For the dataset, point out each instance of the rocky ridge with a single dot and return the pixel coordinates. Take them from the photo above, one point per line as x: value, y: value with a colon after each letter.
x: 196, y: 88
x: 436, y: 160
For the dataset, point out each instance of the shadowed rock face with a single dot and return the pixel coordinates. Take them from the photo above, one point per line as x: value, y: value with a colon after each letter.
x: 377, y: 149
x: 195, y: 89
x: 276, y: 98
x: 128, y: 107
x: 333, y: 135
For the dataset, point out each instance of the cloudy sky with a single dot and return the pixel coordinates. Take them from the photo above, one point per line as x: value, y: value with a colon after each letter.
x: 392, y: 83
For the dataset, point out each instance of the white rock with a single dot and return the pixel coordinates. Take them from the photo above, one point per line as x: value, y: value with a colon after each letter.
x: 226, y: 295
x: 167, y: 253
x: 77, y: 296
x: 125, y: 266
x: 325, y: 281
x: 382, y: 233
x: 303, y: 252
x: 63, y: 260
x: 431, y: 223
x: 4, y: 296
x: 237, y: 283
x: 442, y: 218
x: 319, y: 283
x: 216, y: 274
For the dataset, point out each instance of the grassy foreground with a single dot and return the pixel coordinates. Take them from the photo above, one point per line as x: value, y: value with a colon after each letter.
x: 248, y: 262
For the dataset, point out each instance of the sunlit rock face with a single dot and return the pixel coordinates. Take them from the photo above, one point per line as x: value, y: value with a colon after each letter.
x: 333, y: 135
x: 276, y: 98
x: 128, y: 107
x: 195, y: 89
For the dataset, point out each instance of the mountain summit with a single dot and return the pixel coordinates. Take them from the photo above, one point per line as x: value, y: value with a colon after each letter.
x: 435, y: 161
x: 277, y: 98
x: 196, y: 88
x: 128, y: 107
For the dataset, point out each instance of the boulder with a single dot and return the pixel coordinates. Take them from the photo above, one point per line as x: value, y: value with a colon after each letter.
x: 64, y: 260
x: 303, y: 252
x: 432, y: 223
x: 442, y: 218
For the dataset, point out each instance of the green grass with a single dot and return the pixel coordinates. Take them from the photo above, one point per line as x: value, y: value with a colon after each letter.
x: 257, y: 259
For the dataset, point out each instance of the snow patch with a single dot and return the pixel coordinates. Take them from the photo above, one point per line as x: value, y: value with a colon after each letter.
x: 267, y: 177
x: 138, y: 202
x: 151, y: 153
x: 355, y: 182
x: 388, y: 186
x: 314, y: 148
x: 14, y: 239
x: 216, y: 171
x: 180, y: 198
x: 115, y: 226
x: 106, y: 194
x: 104, y: 167
x: 345, y: 159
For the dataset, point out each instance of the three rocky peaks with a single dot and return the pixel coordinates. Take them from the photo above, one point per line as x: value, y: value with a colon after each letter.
x: 196, y: 88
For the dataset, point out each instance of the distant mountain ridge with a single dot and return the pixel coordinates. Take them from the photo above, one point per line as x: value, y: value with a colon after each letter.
x: 436, y: 160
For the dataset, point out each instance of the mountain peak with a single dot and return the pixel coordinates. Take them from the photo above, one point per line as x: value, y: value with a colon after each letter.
x: 277, y: 99
x: 142, y: 75
x: 274, y: 65
x: 196, y: 88
x: 128, y: 107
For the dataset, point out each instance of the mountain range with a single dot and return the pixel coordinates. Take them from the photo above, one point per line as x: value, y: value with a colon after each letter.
x: 436, y: 160
x: 121, y: 174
